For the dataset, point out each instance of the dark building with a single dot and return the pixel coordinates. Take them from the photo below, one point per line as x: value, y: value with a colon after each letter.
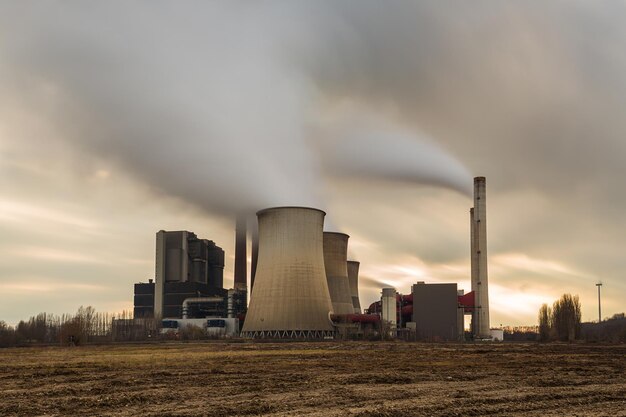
x: 144, y: 300
x: 186, y: 266
x: 436, y: 312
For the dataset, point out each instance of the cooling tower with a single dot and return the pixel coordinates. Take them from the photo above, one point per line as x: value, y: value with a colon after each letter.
x: 480, y: 281
x: 290, y: 298
x: 336, y: 263
x: 353, y: 280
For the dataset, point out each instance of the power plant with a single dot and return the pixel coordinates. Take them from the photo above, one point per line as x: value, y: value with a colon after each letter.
x: 303, y: 287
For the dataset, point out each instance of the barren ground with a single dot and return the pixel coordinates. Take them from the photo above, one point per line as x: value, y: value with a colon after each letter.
x: 316, y: 379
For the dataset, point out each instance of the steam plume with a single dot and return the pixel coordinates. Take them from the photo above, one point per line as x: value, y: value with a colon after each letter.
x: 211, y: 103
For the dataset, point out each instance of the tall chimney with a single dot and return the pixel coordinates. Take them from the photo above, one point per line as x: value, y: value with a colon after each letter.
x: 480, y: 280
x: 241, y: 262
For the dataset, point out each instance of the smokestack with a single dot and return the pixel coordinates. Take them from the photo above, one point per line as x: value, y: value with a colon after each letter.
x: 480, y: 281
x: 255, y: 251
x: 336, y: 265
x: 241, y: 262
x: 353, y: 279
x: 290, y: 299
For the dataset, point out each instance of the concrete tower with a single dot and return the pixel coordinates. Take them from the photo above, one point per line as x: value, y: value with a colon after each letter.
x: 336, y: 264
x: 290, y: 298
x: 241, y: 261
x: 480, y: 280
x: 353, y: 279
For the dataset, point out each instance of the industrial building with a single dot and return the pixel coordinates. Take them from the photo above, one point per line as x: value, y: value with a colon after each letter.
x: 302, y: 285
x: 436, y: 312
x: 188, y: 281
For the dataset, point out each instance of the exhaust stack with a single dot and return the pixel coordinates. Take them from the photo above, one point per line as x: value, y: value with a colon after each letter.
x: 480, y: 280
x: 241, y: 267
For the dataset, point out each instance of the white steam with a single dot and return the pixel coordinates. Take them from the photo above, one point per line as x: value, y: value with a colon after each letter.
x: 213, y: 103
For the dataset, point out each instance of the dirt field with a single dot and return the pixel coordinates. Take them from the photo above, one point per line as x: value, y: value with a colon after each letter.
x: 316, y: 379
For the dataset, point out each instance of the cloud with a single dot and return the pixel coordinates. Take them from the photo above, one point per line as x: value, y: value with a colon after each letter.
x: 372, y: 112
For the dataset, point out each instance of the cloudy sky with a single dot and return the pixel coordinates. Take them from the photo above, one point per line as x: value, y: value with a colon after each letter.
x: 118, y: 119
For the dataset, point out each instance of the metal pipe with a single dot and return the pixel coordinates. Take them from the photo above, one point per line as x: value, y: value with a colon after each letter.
x: 188, y: 301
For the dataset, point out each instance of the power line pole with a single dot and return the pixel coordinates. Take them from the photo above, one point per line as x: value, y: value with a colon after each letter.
x: 599, y: 284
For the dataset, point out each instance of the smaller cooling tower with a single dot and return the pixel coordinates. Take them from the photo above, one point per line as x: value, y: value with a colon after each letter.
x: 290, y: 297
x: 336, y: 263
x: 353, y: 280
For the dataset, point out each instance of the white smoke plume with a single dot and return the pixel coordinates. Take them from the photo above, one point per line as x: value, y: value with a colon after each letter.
x: 221, y: 104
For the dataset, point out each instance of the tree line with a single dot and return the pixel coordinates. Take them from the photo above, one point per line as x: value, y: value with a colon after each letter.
x: 563, y: 322
x: 84, y: 326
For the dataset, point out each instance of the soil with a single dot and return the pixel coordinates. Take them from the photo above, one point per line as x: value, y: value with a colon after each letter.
x: 315, y: 379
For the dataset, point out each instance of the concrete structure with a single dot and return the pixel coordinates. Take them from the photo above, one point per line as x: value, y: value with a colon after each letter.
x: 241, y: 261
x: 254, y: 232
x: 290, y: 297
x: 435, y: 312
x: 389, y: 312
x: 183, y: 258
x: 480, y: 281
x: 336, y: 266
x: 353, y: 280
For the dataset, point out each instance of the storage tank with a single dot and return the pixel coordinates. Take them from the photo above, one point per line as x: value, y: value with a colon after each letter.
x: 353, y: 280
x: 290, y: 297
x: 336, y: 265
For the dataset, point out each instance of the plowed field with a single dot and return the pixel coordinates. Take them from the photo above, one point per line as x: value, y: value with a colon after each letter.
x: 315, y: 379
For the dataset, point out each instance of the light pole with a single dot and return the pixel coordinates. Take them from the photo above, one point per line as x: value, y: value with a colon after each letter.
x: 599, y: 284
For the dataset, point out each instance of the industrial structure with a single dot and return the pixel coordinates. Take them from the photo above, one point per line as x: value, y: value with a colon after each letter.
x: 302, y: 285
x: 353, y: 279
x: 290, y: 297
x: 480, y: 282
x: 336, y: 267
x: 188, y: 281
x: 436, y: 312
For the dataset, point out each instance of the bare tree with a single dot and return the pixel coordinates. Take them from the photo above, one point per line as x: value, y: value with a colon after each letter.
x: 544, y: 323
x: 566, y: 318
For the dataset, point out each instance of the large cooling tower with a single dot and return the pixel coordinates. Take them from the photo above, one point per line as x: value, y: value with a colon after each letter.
x: 290, y: 297
x: 480, y: 281
x: 336, y: 262
x: 353, y: 279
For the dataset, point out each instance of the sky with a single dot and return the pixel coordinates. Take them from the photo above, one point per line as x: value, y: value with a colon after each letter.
x: 119, y: 119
